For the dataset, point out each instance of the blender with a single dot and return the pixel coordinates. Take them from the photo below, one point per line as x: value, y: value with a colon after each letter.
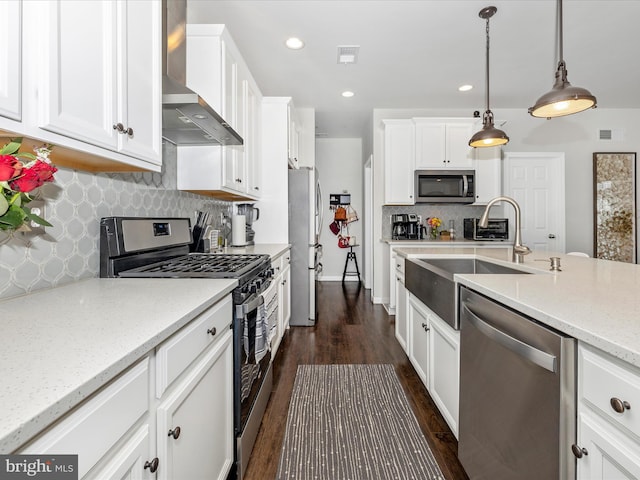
x: 251, y: 214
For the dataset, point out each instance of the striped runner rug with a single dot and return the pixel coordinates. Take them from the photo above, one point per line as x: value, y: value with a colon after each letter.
x: 353, y: 422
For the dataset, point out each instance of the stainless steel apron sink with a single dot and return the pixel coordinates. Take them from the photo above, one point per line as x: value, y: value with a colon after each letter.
x: 431, y: 281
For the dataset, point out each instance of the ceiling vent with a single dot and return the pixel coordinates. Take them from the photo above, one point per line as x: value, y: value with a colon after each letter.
x: 348, y: 54
x: 610, y: 134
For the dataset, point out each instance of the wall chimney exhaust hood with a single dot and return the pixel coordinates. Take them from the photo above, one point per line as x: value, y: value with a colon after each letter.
x: 187, y: 119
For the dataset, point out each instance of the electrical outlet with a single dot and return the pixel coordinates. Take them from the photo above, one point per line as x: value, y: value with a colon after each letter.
x: 37, y: 208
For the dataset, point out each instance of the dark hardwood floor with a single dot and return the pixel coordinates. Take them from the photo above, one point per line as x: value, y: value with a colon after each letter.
x: 349, y: 329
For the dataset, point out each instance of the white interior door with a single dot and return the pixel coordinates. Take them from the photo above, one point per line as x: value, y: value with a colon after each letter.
x: 536, y: 181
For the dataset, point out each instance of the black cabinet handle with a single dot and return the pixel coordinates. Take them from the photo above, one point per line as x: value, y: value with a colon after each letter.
x: 152, y: 465
x: 212, y: 331
x: 175, y: 433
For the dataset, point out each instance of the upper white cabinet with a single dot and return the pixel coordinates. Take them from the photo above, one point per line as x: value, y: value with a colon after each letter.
x: 216, y: 70
x: 293, y: 135
x: 488, y: 166
x: 399, y: 161
x: 10, y: 57
x: 443, y: 143
x: 99, y: 74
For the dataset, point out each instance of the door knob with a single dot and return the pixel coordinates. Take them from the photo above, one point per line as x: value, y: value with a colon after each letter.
x: 552, y: 235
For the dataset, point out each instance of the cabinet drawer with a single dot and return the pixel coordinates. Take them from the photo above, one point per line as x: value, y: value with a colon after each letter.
x: 605, y: 381
x: 179, y: 351
x: 92, y: 429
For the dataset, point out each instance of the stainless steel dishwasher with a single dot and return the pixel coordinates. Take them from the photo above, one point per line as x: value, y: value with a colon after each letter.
x: 517, y: 394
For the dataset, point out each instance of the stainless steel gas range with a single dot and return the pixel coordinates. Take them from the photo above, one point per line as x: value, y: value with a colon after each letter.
x: 159, y: 247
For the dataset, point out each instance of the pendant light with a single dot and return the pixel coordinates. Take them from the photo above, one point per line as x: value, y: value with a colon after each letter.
x: 489, y: 136
x: 563, y: 99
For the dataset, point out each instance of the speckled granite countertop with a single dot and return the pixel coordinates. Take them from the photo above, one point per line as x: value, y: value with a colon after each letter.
x: 595, y: 301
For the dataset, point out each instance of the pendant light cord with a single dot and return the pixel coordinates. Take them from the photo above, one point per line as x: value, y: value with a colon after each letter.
x: 560, y: 49
x: 487, y: 69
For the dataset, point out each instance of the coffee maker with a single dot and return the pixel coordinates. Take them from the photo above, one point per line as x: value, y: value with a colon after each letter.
x: 251, y: 214
x: 412, y: 227
x: 399, y: 226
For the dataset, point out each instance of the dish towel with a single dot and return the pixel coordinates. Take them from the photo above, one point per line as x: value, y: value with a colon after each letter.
x: 262, y: 332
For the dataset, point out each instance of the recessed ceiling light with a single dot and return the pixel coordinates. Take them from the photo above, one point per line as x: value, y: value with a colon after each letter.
x: 465, y: 88
x: 348, y: 94
x: 294, y: 43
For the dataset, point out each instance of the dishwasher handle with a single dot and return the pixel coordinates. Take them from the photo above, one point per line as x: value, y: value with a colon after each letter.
x: 540, y: 358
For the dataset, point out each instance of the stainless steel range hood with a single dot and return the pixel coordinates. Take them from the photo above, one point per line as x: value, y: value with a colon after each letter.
x: 187, y: 119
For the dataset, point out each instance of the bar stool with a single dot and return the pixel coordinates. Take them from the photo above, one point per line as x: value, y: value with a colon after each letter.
x: 351, y: 255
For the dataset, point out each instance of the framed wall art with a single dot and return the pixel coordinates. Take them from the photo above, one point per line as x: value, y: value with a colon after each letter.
x: 614, y: 188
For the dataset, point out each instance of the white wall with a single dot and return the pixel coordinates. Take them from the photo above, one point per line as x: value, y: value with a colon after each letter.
x: 576, y: 135
x: 339, y: 164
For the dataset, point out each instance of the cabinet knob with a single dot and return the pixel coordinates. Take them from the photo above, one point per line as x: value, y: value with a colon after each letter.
x: 129, y: 132
x: 152, y: 465
x: 578, y: 452
x: 620, y: 405
x: 212, y: 331
x: 424, y: 325
x: 175, y: 433
x: 256, y: 188
x: 119, y: 127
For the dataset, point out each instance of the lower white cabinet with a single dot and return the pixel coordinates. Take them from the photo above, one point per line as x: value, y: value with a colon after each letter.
x: 401, y: 305
x: 608, y: 443
x: 130, y: 430
x: 195, y: 421
x: 282, y: 281
x: 419, y: 339
x: 444, y: 377
x: 434, y: 352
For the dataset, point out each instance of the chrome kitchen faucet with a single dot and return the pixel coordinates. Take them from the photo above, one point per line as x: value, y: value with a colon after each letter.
x: 519, y: 250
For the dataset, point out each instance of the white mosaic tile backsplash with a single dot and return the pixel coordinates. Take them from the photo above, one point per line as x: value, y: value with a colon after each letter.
x: 75, y: 202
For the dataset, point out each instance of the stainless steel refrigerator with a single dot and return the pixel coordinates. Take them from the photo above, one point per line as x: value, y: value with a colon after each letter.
x: 305, y: 223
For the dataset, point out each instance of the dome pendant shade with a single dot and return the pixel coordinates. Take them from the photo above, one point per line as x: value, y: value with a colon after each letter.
x: 489, y: 136
x: 563, y: 98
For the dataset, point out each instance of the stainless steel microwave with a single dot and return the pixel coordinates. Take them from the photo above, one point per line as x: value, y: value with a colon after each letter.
x: 445, y: 186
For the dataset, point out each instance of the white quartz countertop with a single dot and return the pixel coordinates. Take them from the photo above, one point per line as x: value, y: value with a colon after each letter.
x: 595, y: 301
x: 58, y: 346
x: 274, y: 250
x: 457, y: 243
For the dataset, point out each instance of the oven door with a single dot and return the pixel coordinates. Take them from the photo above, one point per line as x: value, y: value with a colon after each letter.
x: 252, y: 356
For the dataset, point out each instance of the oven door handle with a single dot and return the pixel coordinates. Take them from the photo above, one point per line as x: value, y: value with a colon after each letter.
x: 253, y: 302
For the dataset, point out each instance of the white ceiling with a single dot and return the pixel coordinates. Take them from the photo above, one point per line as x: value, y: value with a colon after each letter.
x: 415, y: 53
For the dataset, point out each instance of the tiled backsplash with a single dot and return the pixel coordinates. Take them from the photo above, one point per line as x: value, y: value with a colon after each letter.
x: 75, y: 202
x: 444, y: 212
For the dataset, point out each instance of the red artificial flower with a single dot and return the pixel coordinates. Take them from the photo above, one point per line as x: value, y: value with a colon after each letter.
x: 44, y: 170
x: 10, y: 167
x: 33, y: 177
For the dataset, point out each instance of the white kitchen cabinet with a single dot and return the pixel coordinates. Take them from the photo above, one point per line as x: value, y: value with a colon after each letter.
x: 105, y: 418
x: 281, y: 279
x: 443, y: 143
x: 293, y: 134
x: 488, y: 180
x: 100, y: 78
x: 195, y: 420
x: 608, y: 419
x: 122, y: 430
x: 419, y: 339
x: 11, y: 58
x: 444, y: 376
x: 401, y: 304
x: 217, y: 71
x: 399, y: 161
x: 129, y: 461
